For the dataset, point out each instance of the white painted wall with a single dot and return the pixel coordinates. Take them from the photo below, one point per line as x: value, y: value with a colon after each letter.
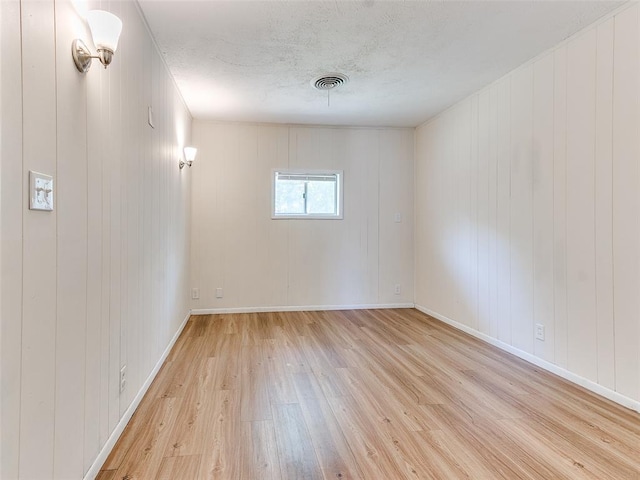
x: 265, y: 263
x: 528, y: 206
x: 101, y: 281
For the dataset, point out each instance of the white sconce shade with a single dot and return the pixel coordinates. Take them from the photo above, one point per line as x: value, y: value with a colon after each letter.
x: 189, y: 156
x: 105, y: 29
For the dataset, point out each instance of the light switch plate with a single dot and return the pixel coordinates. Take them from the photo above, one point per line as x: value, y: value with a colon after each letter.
x: 40, y: 191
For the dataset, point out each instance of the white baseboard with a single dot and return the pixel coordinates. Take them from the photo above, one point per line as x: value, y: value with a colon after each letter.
x: 550, y: 367
x: 115, y: 435
x: 301, y: 308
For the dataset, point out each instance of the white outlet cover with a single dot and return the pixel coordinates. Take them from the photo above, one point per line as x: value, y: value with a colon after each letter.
x: 40, y: 191
x: 123, y: 378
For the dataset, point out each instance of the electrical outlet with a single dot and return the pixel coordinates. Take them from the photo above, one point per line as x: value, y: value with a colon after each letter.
x: 397, y: 218
x: 218, y: 292
x: 123, y: 378
x: 539, y: 331
x: 195, y: 293
x: 396, y: 289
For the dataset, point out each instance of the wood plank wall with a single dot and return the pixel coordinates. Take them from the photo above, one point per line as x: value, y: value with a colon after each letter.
x: 260, y: 262
x: 102, y: 281
x: 546, y: 196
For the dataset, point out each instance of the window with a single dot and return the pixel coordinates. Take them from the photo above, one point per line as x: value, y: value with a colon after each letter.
x: 307, y: 194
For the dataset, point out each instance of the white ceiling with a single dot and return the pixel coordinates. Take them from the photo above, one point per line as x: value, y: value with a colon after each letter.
x: 407, y: 60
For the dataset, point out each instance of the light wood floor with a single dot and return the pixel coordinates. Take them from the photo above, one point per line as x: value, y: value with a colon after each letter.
x: 370, y: 394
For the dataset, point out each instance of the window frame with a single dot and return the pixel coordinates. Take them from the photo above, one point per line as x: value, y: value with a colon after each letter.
x: 308, y: 216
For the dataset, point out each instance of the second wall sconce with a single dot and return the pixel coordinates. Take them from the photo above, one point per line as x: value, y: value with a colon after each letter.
x: 189, y: 156
x: 105, y: 29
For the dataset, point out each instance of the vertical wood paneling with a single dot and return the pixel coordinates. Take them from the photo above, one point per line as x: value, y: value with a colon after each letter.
x: 493, y: 211
x: 424, y: 217
x: 581, y: 292
x: 484, y: 124
x: 95, y: 433
x: 260, y: 262
x: 522, y: 208
x: 135, y: 340
x: 146, y: 181
x: 443, y: 296
x: 395, y: 196
x: 346, y: 239
x: 240, y: 274
x: 560, y: 204
x: 626, y: 236
x: 104, y: 157
x: 371, y: 233
x: 154, y: 210
x: 473, y: 212
x: 71, y: 199
x: 11, y: 200
x: 337, y: 243
x: 450, y: 265
x: 162, y: 211
x: 431, y: 276
x: 210, y: 163
x: 352, y: 150
x: 128, y: 203
x: 557, y: 193
x: 461, y: 221
x: 543, y: 204
x: 425, y: 178
x: 39, y: 244
x: 113, y: 163
x: 503, y: 216
x: 604, y: 205
x: 71, y: 270
x: 273, y: 147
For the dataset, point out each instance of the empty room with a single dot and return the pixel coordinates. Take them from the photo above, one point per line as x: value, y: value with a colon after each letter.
x: 290, y: 239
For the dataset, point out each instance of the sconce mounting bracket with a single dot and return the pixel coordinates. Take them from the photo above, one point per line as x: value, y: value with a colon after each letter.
x: 81, y: 55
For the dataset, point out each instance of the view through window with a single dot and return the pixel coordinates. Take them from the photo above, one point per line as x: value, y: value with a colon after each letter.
x: 307, y: 194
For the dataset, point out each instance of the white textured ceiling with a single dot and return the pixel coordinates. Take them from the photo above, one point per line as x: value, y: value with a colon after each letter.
x: 407, y: 60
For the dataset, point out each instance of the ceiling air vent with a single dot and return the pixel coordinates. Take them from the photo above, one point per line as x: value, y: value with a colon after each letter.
x: 329, y: 81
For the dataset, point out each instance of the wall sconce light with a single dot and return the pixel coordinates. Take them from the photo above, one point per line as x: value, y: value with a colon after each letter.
x: 105, y: 29
x: 189, y: 156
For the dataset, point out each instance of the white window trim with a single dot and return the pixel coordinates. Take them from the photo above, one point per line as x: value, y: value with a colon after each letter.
x: 309, y: 216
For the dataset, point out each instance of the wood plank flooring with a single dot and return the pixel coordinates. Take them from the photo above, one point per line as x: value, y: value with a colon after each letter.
x: 367, y: 394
